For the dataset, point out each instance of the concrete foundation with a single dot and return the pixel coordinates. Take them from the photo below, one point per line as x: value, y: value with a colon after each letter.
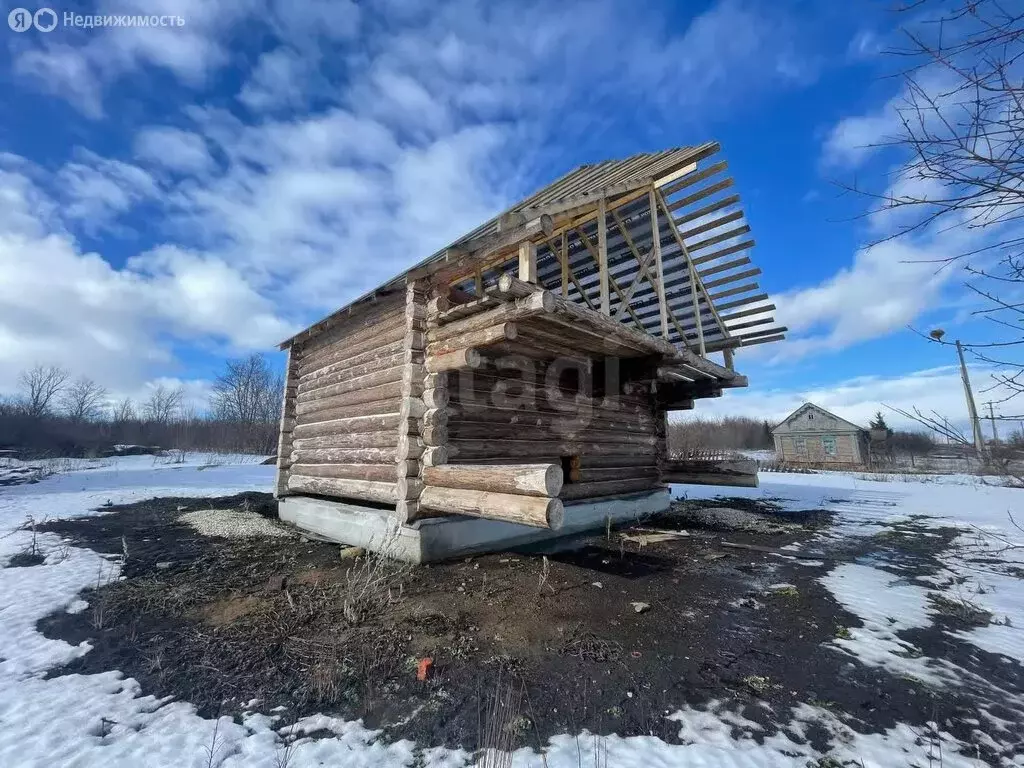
x: 442, y: 538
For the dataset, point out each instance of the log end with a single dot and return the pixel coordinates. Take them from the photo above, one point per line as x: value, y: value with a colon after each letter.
x: 553, y: 480
x: 435, y: 457
x: 555, y: 514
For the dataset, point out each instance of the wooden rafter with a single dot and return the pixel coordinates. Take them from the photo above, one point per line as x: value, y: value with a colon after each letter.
x: 667, y: 313
x: 642, y: 261
x: 611, y: 280
x: 696, y: 286
x: 567, y: 271
x: 563, y: 257
x: 663, y: 308
x: 602, y: 254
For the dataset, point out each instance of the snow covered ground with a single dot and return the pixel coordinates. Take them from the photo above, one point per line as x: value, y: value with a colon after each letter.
x: 93, y: 720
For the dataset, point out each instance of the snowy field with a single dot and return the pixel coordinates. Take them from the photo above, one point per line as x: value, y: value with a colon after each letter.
x: 93, y: 720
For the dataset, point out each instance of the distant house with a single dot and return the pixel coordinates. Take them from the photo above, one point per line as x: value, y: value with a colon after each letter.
x: 812, y: 435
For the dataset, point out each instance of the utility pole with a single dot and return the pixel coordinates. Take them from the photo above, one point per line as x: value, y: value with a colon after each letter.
x: 992, y: 419
x: 972, y: 410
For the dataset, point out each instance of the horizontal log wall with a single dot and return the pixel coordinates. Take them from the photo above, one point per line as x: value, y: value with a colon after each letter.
x: 350, y: 401
x: 516, y: 415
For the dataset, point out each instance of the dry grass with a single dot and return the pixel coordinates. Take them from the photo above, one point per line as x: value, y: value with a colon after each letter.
x: 500, y: 721
x: 373, y: 583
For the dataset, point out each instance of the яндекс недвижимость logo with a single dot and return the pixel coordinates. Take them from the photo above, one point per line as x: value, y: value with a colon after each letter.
x: 22, y: 20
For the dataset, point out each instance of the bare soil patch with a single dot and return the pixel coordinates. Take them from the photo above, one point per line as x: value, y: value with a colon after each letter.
x: 220, y: 622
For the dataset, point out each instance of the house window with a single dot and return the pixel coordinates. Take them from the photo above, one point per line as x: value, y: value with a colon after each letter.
x: 829, y: 443
x: 801, y: 445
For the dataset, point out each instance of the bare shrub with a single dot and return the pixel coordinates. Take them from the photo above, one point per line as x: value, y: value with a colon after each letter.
x: 374, y: 582
x: 727, y: 432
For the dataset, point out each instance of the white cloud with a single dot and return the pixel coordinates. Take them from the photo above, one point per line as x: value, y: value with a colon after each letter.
x: 855, y: 138
x: 886, y: 288
x: 279, y: 81
x: 63, y: 306
x: 866, y: 44
x: 97, y: 190
x: 80, y: 73
x: 64, y: 71
x: 936, y: 390
x: 174, y: 149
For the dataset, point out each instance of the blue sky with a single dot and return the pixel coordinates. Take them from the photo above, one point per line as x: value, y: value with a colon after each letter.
x: 171, y: 196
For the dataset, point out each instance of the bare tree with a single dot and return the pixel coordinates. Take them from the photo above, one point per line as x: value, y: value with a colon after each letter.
x: 935, y: 422
x: 248, y: 392
x: 962, y: 128
x: 124, y: 411
x: 40, y: 386
x: 83, y: 400
x: 163, y: 405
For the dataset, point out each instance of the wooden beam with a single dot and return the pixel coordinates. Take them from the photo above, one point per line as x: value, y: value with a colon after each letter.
x: 751, y: 324
x: 694, y: 178
x: 572, y: 275
x: 701, y: 194
x: 724, y: 252
x: 595, y: 252
x: 708, y: 242
x: 652, y: 201
x: 641, y: 272
x: 694, y: 277
x: 510, y: 287
x: 700, y: 213
x: 544, y: 480
x: 733, y: 278
x: 734, y: 291
x: 512, y: 508
x: 741, y: 473
x: 528, y: 262
x: 763, y: 340
x: 563, y: 256
x: 727, y: 356
x: 602, y: 255
x: 678, y: 173
x: 748, y: 312
x: 473, y: 253
x: 708, y: 226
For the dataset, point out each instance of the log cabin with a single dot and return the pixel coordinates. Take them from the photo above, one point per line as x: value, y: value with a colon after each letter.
x: 514, y: 386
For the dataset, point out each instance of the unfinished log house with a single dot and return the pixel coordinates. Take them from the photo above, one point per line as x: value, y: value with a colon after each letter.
x: 515, y: 385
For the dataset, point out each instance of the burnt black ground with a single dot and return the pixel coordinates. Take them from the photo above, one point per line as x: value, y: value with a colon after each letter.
x: 204, y: 620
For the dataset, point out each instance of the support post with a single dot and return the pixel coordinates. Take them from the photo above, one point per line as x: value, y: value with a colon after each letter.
x: 564, y: 258
x: 528, y: 262
x: 972, y: 410
x: 656, y: 245
x: 992, y: 419
x: 602, y: 254
x: 727, y: 356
